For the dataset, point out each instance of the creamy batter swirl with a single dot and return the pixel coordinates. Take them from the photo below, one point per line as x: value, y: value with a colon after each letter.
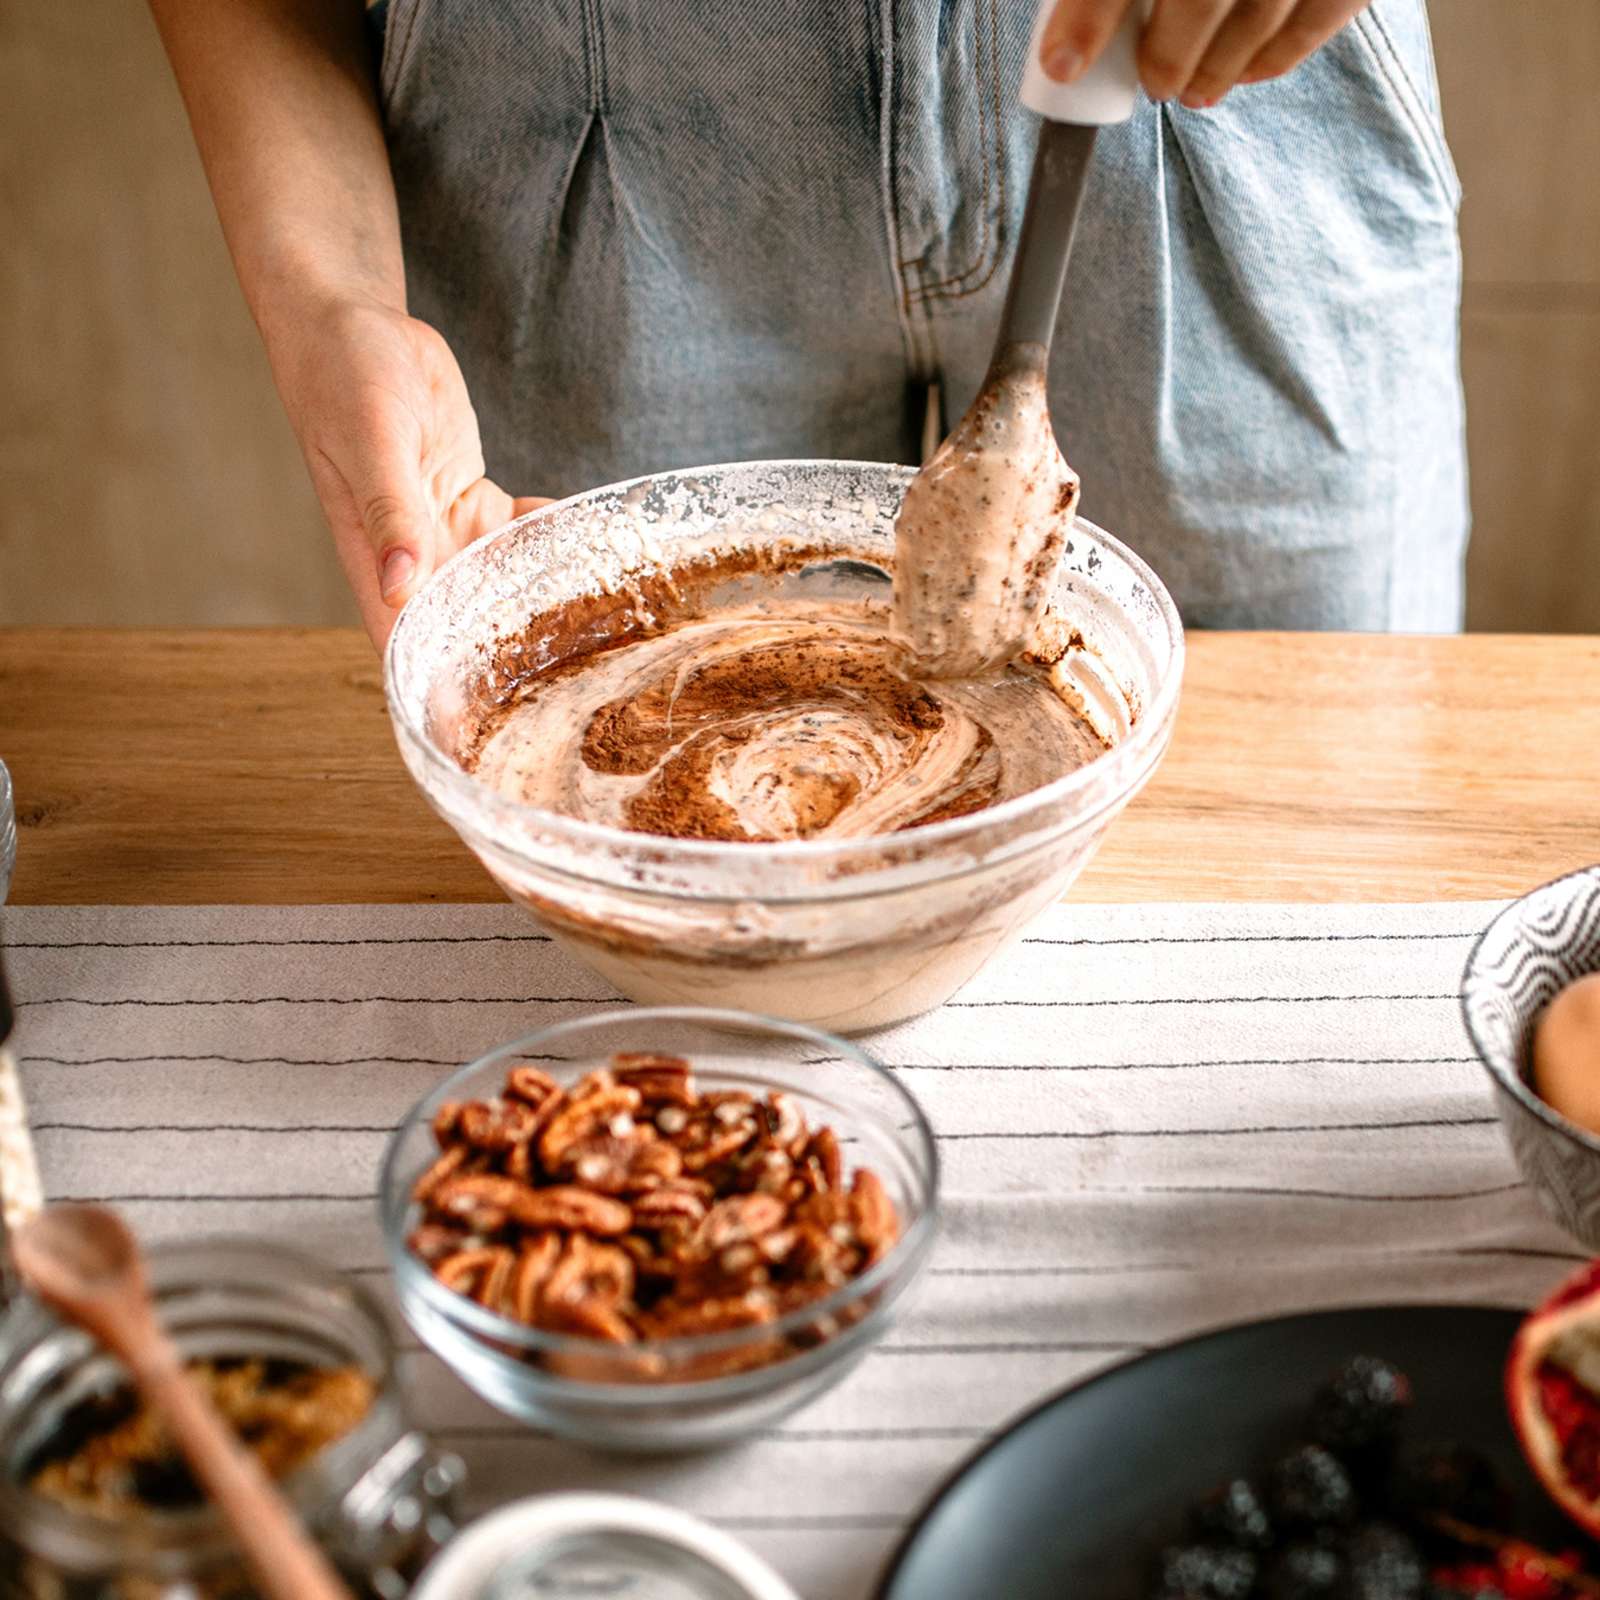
x: 778, y: 720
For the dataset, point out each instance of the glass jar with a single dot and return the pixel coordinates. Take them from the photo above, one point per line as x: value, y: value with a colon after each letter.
x: 379, y: 1499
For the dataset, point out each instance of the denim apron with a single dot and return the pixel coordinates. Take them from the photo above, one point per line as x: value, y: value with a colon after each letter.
x: 660, y: 234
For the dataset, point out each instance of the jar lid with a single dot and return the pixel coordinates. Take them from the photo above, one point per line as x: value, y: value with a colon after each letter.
x: 577, y: 1546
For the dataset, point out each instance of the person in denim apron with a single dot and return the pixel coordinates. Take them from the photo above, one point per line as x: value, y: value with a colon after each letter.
x: 647, y: 235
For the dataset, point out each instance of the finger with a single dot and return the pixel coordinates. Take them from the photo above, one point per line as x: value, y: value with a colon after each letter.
x: 350, y: 544
x: 1244, y: 32
x: 1078, y: 30
x: 382, y: 474
x: 1173, y: 42
x: 481, y: 508
x: 1310, y: 25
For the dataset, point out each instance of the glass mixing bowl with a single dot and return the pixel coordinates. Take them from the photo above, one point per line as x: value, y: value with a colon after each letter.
x: 845, y: 934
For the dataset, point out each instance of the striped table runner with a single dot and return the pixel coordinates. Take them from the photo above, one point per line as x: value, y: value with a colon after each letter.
x: 1154, y: 1120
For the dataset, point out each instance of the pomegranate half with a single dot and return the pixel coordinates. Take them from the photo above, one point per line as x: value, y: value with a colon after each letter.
x: 1553, y: 1392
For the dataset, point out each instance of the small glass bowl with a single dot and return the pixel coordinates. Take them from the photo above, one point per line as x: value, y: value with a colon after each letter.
x: 593, y: 1391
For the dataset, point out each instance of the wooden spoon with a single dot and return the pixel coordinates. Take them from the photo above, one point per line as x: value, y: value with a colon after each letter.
x: 83, y: 1261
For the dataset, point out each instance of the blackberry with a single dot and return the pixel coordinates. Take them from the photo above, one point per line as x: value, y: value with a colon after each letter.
x: 1450, y: 1480
x: 1305, y: 1572
x: 1205, y: 1572
x: 1233, y: 1515
x: 1360, y: 1408
x: 1382, y: 1563
x: 1310, y: 1489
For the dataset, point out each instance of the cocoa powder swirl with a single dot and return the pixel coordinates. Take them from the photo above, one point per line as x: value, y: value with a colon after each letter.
x: 775, y: 721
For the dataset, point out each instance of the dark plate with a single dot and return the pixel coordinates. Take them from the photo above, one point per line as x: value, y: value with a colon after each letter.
x: 1074, y: 1501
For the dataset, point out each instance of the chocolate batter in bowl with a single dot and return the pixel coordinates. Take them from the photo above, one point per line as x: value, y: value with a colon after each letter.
x: 669, y: 717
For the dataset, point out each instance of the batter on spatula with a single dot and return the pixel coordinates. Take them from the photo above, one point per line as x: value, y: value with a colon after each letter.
x: 981, y: 531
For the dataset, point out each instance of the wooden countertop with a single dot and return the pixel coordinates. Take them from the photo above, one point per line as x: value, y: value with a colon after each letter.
x: 257, y: 765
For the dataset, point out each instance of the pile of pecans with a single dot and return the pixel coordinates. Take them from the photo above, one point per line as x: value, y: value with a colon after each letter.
x: 635, y: 1207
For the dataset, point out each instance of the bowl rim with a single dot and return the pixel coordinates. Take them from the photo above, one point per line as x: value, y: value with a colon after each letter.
x: 470, y: 801
x: 900, y: 1265
x: 1513, y: 1083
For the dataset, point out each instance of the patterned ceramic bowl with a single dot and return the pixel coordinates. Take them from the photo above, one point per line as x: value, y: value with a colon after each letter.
x: 1533, y: 949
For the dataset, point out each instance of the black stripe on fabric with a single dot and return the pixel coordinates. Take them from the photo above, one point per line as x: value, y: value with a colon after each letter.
x: 213, y: 1127
x: 1030, y: 1133
x: 894, y: 1066
x: 544, y: 938
x: 353, y: 1000
x: 1308, y: 1194
x: 272, y: 944
x: 248, y: 1061
x: 591, y: 1000
x: 1226, y: 1133
x: 1167, y: 1188
x: 1132, y: 1268
x: 412, y: 1347
x: 1176, y: 1066
x: 211, y: 1199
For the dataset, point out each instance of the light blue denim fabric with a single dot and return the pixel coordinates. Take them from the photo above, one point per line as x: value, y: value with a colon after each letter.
x: 659, y: 235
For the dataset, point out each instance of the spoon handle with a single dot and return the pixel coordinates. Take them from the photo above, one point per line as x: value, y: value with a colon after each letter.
x: 286, y: 1564
x: 1049, y: 220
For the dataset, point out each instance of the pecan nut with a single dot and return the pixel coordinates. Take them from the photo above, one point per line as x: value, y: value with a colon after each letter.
x: 449, y: 1161
x: 660, y: 1080
x: 534, y: 1266
x: 872, y: 1213
x: 630, y: 1164
x: 582, y: 1117
x: 496, y: 1125
x: 671, y: 1206
x: 533, y: 1086
x: 737, y: 1220
x: 561, y: 1206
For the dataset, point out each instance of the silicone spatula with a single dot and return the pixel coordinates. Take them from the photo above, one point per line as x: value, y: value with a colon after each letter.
x: 1074, y: 113
x: 980, y: 534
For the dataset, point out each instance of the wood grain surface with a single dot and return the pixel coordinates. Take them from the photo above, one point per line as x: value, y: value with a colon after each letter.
x: 192, y: 767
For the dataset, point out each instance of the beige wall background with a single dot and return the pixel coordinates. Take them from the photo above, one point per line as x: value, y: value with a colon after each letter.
x: 147, y: 474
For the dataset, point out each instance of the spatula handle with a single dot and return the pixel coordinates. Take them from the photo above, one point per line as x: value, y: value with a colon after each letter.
x: 286, y: 1564
x: 1105, y: 93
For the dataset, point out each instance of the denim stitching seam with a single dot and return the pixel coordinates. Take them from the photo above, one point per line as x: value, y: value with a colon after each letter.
x: 993, y: 138
x: 594, y: 57
x: 891, y: 200
x: 1408, y: 98
x: 983, y: 145
x: 397, y: 43
x: 600, y: 90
